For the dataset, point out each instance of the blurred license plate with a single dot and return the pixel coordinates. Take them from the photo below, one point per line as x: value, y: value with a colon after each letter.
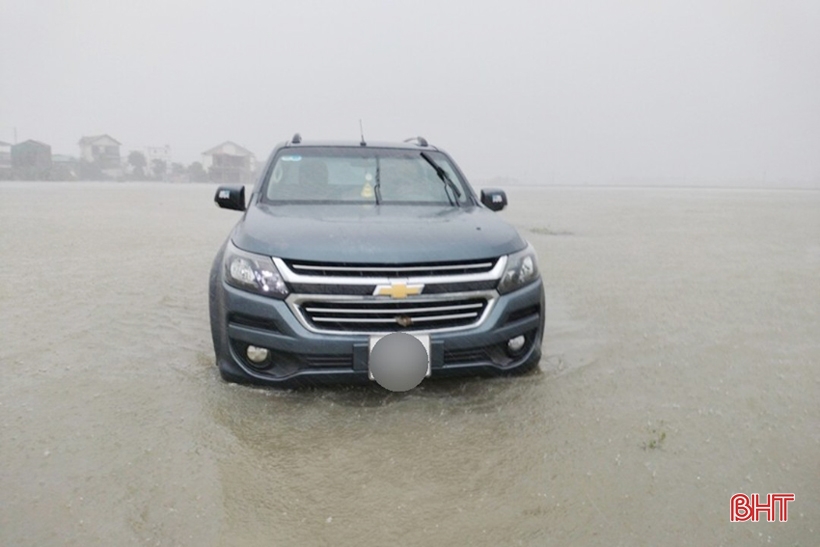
x: 423, y: 338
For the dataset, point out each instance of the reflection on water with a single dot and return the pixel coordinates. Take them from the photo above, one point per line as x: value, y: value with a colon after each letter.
x: 687, y: 315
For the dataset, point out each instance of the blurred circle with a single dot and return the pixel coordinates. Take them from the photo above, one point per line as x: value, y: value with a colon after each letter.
x: 398, y: 362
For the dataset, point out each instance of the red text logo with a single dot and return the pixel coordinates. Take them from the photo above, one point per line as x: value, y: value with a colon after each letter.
x: 744, y: 508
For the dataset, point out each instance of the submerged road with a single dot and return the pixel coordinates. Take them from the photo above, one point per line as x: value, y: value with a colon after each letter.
x: 681, y: 366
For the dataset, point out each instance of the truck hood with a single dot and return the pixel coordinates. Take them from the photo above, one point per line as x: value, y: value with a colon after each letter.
x: 386, y: 234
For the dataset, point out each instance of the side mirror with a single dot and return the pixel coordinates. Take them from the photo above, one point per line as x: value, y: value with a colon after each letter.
x: 231, y: 197
x: 494, y: 199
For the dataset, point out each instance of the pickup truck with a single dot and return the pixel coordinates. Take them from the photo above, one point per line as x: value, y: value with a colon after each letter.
x: 341, y: 244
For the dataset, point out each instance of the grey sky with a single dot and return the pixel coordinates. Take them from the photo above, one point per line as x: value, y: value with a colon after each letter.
x: 557, y: 92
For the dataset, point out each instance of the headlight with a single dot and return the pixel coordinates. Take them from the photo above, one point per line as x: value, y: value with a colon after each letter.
x: 252, y: 272
x: 522, y: 268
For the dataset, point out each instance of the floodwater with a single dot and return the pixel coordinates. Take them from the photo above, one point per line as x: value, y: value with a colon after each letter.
x: 681, y: 366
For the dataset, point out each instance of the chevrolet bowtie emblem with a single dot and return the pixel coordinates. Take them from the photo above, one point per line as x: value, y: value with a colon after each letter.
x: 398, y: 290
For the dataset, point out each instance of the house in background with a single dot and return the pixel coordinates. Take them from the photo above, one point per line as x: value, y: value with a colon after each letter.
x: 229, y: 162
x: 31, y: 160
x: 5, y: 161
x: 102, y: 151
x: 161, y: 155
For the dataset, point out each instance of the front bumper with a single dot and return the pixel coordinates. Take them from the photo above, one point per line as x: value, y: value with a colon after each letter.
x: 304, y: 357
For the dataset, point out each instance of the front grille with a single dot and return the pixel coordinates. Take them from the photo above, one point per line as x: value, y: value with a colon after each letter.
x: 443, y: 288
x: 368, y: 290
x: 318, y: 288
x: 388, y: 315
x: 391, y: 270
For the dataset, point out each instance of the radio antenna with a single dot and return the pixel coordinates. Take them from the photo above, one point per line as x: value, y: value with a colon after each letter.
x: 361, y: 130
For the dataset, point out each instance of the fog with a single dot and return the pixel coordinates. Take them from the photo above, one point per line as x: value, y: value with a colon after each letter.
x: 591, y: 92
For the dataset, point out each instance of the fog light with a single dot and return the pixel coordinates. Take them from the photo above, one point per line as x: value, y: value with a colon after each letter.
x: 257, y: 355
x: 515, y: 345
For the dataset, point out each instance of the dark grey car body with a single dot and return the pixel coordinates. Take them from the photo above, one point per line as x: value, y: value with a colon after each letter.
x: 333, y: 257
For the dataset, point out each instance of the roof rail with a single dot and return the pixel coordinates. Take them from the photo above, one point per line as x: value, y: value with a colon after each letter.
x: 297, y: 138
x: 420, y: 140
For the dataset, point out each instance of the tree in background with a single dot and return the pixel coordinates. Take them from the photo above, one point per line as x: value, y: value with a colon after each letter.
x: 159, y: 167
x: 178, y: 173
x: 196, y: 173
x: 139, y: 163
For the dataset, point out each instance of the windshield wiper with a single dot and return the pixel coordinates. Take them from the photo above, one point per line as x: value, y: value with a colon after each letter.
x: 445, y: 178
x: 378, y: 187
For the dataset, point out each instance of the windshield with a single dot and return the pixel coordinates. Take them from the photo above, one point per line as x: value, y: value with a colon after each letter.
x: 363, y: 175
